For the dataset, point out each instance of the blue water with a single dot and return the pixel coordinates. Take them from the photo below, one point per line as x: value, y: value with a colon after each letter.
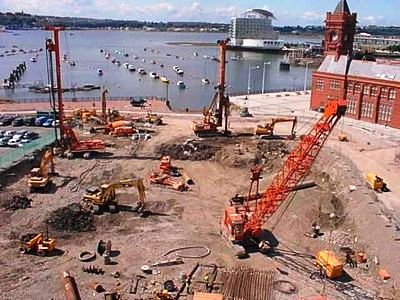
x: 83, y: 47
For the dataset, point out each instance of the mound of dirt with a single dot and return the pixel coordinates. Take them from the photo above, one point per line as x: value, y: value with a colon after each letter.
x: 17, y: 202
x: 195, y: 151
x: 71, y: 218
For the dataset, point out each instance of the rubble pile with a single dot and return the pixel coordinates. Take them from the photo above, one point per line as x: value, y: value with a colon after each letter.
x: 17, y: 202
x: 194, y: 151
x: 276, y: 148
x: 71, y: 218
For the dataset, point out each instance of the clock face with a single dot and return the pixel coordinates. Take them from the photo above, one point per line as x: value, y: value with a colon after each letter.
x: 334, y: 36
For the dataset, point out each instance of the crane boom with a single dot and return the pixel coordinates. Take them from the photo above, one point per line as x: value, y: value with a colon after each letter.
x: 245, y: 221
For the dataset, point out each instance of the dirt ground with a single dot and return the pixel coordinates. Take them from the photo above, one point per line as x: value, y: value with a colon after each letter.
x: 192, y: 217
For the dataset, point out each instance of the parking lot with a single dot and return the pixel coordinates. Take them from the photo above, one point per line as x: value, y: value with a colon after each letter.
x: 42, y: 131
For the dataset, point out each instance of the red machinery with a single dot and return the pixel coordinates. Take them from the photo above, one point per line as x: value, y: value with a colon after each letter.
x: 219, y: 107
x: 69, y: 140
x: 243, y: 219
x: 163, y: 176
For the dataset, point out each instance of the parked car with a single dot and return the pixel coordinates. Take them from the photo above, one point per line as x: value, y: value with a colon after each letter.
x: 30, y: 135
x: 137, y: 101
x: 13, y: 142
x: 4, y: 141
x: 6, y: 120
x: 19, y: 134
x: 29, y: 121
x: 39, y: 121
x: 9, y: 133
x: 18, y: 121
x: 48, y: 123
x: 56, y: 123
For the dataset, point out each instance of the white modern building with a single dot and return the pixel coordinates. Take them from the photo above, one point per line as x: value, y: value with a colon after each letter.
x: 365, y: 40
x: 254, y: 29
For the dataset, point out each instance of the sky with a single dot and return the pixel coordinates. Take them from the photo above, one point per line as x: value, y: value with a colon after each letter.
x: 287, y: 12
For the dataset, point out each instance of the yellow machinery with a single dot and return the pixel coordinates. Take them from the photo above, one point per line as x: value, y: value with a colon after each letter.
x: 375, y: 182
x: 84, y: 114
x: 343, y: 138
x: 329, y: 263
x: 153, y: 119
x: 40, y: 178
x: 268, y: 127
x: 103, y: 198
x: 39, y: 244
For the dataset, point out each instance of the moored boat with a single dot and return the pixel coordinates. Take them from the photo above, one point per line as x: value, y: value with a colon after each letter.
x: 164, y: 79
x: 181, y: 84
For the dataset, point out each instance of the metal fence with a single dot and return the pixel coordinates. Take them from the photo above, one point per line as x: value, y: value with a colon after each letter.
x: 14, y: 155
x: 266, y: 91
x: 86, y: 99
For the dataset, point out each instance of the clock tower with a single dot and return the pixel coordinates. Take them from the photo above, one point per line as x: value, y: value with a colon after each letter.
x: 340, y: 30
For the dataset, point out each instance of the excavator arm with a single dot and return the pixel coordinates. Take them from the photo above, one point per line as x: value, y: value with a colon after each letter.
x: 268, y: 127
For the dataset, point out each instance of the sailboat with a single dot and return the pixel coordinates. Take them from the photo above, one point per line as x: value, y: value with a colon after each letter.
x: 205, y: 80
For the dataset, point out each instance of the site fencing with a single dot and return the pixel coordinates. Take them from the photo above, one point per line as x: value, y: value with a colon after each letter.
x: 86, y: 99
x: 13, y: 155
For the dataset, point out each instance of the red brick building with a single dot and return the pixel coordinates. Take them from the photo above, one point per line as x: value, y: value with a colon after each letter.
x: 373, y: 87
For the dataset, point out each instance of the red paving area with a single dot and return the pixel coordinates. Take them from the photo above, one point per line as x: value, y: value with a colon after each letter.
x: 152, y: 105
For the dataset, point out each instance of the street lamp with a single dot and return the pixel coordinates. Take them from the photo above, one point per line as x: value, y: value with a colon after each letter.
x: 248, y: 80
x: 306, y: 74
x: 263, y: 80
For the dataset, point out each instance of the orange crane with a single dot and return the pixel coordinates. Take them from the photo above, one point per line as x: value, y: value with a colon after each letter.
x: 243, y: 220
x: 68, y: 139
x: 213, y: 116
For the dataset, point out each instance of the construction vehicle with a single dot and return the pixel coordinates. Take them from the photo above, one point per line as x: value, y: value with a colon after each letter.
x: 268, y: 127
x: 343, y: 137
x: 163, y: 176
x: 376, y: 183
x: 243, y: 220
x: 76, y: 147
x: 84, y: 114
x: 153, y: 118
x: 244, y: 112
x: 40, y: 178
x: 69, y: 142
x: 329, y: 263
x: 39, y: 244
x: 104, y: 198
x: 214, y: 114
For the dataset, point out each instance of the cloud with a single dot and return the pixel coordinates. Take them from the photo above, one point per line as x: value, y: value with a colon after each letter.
x: 372, y: 20
x: 312, y: 16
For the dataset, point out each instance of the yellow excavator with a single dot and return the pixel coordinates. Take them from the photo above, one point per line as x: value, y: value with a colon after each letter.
x: 40, y: 244
x: 40, y: 178
x: 104, y: 198
x: 268, y: 127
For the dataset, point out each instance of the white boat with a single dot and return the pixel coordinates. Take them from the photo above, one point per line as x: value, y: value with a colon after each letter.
x: 118, y: 63
x: 99, y: 72
x: 153, y: 75
x: 153, y: 62
x: 141, y: 71
x: 108, y: 55
x: 181, y: 85
x: 206, y: 56
x: 175, y: 68
x: 180, y: 72
x: 195, y: 54
x: 131, y: 68
x: 72, y: 63
x: 164, y: 79
x: 126, y: 65
x: 113, y: 60
x: 143, y: 60
x: 136, y: 57
x: 205, y: 81
x: 237, y: 58
x: 33, y: 59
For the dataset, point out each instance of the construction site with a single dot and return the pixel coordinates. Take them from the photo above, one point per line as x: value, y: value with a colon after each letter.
x: 239, y: 202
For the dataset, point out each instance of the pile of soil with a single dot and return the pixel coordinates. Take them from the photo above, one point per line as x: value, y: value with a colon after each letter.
x: 17, y: 202
x: 276, y: 148
x: 71, y: 218
x: 195, y: 151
